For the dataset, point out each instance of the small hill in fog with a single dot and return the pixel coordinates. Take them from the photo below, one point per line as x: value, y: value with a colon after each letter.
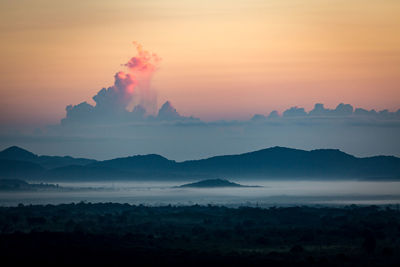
x: 214, y: 183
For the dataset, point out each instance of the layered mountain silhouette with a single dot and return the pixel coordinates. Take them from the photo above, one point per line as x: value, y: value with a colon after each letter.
x: 270, y: 163
x: 48, y: 162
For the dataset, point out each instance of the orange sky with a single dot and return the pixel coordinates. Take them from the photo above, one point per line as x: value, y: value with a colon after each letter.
x: 220, y: 59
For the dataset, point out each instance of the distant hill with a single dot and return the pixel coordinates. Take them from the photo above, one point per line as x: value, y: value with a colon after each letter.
x: 150, y: 163
x: 294, y: 163
x: 213, y: 183
x: 48, y: 162
x: 270, y: 163
x: 77, y: 172
x: 17, y: 153
x: 20, y: 169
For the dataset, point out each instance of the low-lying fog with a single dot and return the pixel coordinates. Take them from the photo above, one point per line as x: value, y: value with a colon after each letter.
x: 271, y: 193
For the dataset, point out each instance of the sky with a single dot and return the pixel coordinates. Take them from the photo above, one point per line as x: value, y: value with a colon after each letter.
x: 220, y: 59
x: 217, y: 60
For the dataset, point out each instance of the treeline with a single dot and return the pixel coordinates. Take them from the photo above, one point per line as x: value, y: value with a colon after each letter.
x: 120, y: 233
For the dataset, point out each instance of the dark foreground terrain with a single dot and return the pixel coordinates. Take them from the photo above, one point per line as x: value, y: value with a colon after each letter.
x: 112, y: 234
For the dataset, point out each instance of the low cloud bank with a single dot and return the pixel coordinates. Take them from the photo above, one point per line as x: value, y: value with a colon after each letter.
x: 341, y: 111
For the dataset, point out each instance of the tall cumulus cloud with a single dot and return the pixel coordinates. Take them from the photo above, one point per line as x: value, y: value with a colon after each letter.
x: 130, y: 87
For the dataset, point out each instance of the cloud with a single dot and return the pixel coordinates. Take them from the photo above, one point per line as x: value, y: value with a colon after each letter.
x: 389, y: 115
x: 144, y: 63
x: 111, y: 106
x: 364, y: 112
x: 82, y: 112
x: 261, y: 118
x: 168, y: 112
x: 341, y: 111
x: 132, y: 88
x: 273, y: 115
x: 112, y: 102
x: 294, y: 112
x: 258, y: 118
x: 319, y: 110
x: 138, y: 113
x: 115, y: 99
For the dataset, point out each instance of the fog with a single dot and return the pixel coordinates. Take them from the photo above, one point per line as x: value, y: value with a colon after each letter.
x: 272, y: 193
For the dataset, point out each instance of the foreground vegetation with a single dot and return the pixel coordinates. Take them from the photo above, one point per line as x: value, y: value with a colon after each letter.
x: 110, y: 233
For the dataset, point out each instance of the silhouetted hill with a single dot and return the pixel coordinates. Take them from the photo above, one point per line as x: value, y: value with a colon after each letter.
x: 48, y: 162
x: 151, y: 162
x: 295, y: 163
x: 134, y: 167
x: 20, y: 169
x: 212, y: 183
x: 77, y: 172
x: 17, y: 153
x: 270, y: 163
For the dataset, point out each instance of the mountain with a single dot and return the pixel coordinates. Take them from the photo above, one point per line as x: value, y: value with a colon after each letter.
x: 270, y: 163
x: 77, y: 173
x: 213, y: 183
x: 279, y: 162
x: 47, y: 162
x: 17, y: 153
x: 20, y: 169
x: 148, y: 163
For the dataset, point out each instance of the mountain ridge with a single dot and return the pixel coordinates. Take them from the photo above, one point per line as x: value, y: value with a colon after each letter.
x: 48, y: 162
x: 268, y: 163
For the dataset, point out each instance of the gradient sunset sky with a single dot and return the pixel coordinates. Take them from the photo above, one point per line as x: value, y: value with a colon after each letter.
x: 220, y: 59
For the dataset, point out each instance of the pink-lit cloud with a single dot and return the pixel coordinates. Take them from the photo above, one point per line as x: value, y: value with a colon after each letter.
x: 129, y: 87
